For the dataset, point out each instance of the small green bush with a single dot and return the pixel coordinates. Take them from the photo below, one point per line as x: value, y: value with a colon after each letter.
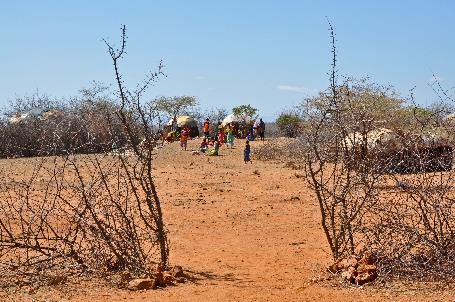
x: 289, y: 124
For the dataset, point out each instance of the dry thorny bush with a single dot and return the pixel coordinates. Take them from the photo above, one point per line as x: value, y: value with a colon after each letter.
x: 73, y: 214
x: 384, y: 192
x: 279, y: 149
x: 412, y: 227
x: 390, y: 193
x: 392, y: 198
x: 382, y: 175
x: 88, y: 214
x: 40, y: 126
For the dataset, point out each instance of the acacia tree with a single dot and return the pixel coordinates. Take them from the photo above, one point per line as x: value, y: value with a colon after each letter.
x: 289, y: 123
x: 176, y: 105
x: 214, y: 115
x: 245, y: 112
x: 412, y: 228
x: 344, y: 194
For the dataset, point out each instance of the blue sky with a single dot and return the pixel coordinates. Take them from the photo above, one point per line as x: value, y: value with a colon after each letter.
x: 270, y: 54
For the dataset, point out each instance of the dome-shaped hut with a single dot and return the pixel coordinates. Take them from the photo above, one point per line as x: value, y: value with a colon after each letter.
x: 386, y: 151
x: 184, y: 121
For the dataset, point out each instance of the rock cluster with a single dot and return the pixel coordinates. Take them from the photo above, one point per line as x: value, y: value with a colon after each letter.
x: 356, y: 271
x: 160, y: 278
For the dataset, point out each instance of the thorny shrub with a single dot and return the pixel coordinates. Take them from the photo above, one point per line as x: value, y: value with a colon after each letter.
x: 381, y: 171
x: 87, y: 213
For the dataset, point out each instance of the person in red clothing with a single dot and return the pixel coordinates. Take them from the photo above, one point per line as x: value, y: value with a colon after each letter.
x: 220, y: 134
x: 206, y: 128
x: 204, y: 146
x: 184, y: 137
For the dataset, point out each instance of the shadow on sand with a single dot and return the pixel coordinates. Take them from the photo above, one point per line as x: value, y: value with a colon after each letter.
x: 197, y: 277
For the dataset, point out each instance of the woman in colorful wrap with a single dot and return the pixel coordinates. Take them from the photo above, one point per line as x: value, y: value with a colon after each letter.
x: 184, y: 137
x: 220, y: 134
x: 230, y: 136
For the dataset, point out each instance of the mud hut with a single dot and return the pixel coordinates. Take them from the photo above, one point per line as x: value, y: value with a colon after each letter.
x: 182, y: 121
x: 242, y: 124
x: 385, y: 151
x: 38, y: 113
x: 236, y: 119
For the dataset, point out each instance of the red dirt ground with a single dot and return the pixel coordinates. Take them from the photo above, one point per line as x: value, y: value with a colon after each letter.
x: 244, y: 233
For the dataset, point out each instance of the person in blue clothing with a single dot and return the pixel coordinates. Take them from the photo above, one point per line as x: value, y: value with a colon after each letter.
x: 246, y: 152
x: 250, y: 136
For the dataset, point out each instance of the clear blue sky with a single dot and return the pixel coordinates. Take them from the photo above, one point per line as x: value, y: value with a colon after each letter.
x: 270, y: 54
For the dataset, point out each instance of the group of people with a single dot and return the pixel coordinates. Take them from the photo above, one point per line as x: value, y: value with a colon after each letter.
x: 259, y: 129
x: 223, y: 135
x: 212, y: 147
x: 232, y: 130
x: 212, y: 144
x: 209, y: 146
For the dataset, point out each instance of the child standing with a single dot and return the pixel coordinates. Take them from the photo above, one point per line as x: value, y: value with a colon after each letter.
x: 246, y: 152
x: 184, y: 137
x: 203, y: 147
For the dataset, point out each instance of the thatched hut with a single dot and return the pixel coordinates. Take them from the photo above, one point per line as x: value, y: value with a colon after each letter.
x: 37, y: 113
x: 236, y: 119
x: 383, y: 150
x: 242, y: 124
x: 184, y: 121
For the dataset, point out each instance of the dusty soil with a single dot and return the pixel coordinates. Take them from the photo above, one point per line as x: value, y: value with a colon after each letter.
x: 243, y: 232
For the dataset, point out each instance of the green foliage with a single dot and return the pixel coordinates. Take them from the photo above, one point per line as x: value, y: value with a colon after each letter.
x: 176, y: 105
x: 416, y: 111
x: 289, y: 123
x: 412, y: 118
x: 214, y: 115
x: 245, y: 110
x: 373, y: 105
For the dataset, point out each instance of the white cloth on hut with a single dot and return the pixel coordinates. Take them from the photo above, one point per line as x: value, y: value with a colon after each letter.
x: 232, y: 118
